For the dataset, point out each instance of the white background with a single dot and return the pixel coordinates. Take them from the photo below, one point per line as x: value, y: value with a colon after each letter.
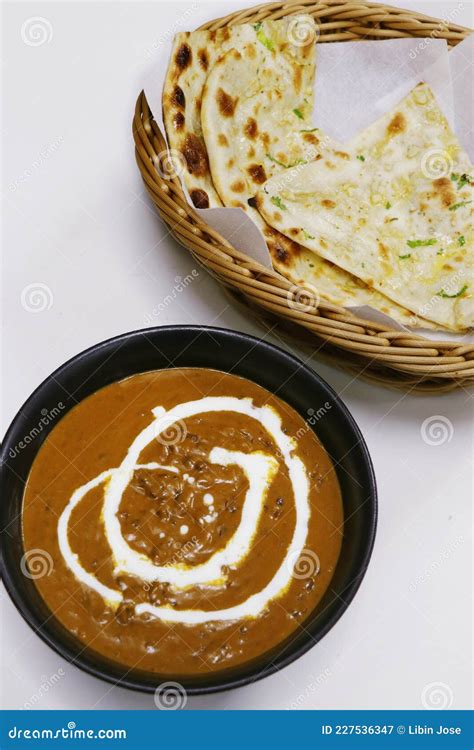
x: 78, y: 221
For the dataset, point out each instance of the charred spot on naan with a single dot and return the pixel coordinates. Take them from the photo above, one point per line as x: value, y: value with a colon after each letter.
x: 199, y: 198
x: 281, y: 248
x: 257, y: 173
x: 203, y: 59
x: 177, y: 98
x: 327, y: 203
x: 397, y: 124
x: 226, y: 103
x: 195, y: 155
x: 251, y: 51
x: 297, y: 77
x: 184, y: 57
x: 178, y: 121
x: 311, y: 138
x: 444, y: 191
x: 222, y: 140
x: 238, y: 186
x: 251, y: 128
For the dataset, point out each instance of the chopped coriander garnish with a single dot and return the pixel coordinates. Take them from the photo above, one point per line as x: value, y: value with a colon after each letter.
x: 360, y: 157
x: 395, y: 218
x: 421, y: 243
x: 262, y: 37
x: 309, y: 130
x: 455, y: 206
x: 440, y: 251
x: 298, y: 113
x: 277, y: 201
x: 308, y: 236
x: 388, y: 205
x: 461, y: 240
x: 404, y: 257
x: 442, y: 293
x: 461, y: 180
x: 265, y: 41
x: 276, y: 161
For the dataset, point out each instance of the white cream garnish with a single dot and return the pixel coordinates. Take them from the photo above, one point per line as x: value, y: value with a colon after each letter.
x: 208, y: 499
x: 183, y: 529
x: 259, y: 469
x: 111, y: 596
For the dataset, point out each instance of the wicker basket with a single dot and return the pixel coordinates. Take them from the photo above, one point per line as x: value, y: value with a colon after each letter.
x: 367, y: 349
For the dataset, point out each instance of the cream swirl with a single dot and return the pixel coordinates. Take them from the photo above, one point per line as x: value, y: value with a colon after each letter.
x: 259, y: 469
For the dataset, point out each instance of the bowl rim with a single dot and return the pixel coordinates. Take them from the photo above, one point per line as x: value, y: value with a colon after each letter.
x: 128, y: 681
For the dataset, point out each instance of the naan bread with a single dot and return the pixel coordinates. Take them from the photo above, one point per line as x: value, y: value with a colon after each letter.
x: 396, y: 212
x: 192, y: 57
x: 255, y: 115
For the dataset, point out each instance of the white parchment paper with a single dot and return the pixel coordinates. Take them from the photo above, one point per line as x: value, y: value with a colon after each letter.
x: 355, y: 84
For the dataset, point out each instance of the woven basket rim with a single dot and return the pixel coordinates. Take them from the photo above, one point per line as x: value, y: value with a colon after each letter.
x: 237, y: 17
x: 403, y: 358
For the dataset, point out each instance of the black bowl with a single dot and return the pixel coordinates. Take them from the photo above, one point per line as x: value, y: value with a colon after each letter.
x: 192, y: 346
